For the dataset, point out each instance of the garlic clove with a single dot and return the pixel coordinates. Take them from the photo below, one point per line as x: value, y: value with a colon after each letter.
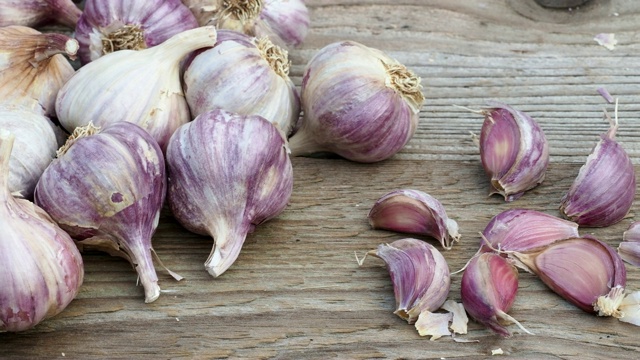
x: 522, y: 230
x: 420, y: 276
x: 604, y: 190
x: 414, y: 212
x: 513, y: 149
x: 629, y: 248
x: 33, y: 13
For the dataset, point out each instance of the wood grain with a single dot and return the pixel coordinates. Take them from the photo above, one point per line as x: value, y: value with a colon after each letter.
x: 296, y: 291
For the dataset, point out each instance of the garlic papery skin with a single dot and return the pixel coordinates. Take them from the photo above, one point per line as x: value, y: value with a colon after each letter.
x: 112, y: 25
x: 522, y: 230
x: 415, y: 212
x: 629, y: 248
x: 228, y: 173
x: 488, y: 288
x: 603, y: 192
x: 513, y: 149
x: 246, y: 76
x: 33, y: 13
x: 33, y: 67
x: 138, y: 86
x: 419, y: 274
x: 42, y: 269
x: 285, y: 22
x: 34, y: 148
x: 106, y: 189
x: 358, y: 103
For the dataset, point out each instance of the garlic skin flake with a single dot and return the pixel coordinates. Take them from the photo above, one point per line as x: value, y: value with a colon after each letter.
x: 228, y: 173
x: 106, y: 189
x: 42, y: 269
x: 414, y: 212
x: 33, y: 68
x: 142, y: 87
x: 246, y: 76
x: 33, y: 13
x: 358, y: 103
x: 513, y: 149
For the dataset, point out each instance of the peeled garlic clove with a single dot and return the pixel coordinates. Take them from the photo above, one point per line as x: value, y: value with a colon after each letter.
x: 243, y: 75
x: 34, y: 13
x: 420, y: 276
x: 227, y: 174
x: 106, y: 189
x: 603, y: 192
x: 112, y: 25
x: 42, y: 269
x: 522, y: 230
x: 358, y: 103
x: 488, y: 289
x: 513, y: 149
x: 33, y: 68
x: 285, y: 22
x: 414, y: 212
x: 629, y: 248
x: 142, y: 87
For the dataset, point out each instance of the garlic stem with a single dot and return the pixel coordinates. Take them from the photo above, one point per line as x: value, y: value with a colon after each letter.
x: 54, y: 44
x: 303, y: 143
x: 143, y: 263
x: 179, y: 45
x: 228, y: 241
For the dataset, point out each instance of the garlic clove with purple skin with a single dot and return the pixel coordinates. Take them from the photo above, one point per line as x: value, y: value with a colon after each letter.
x: 629, y: 248
x: 42, y: 269
x: 358, y: 103
x: 228, y: 173
x: 112, y: 25
x: 603, y: 192
x: 106, y: 189
x: 414, y: 212
x: 513, y: 149
x: 33, y: 13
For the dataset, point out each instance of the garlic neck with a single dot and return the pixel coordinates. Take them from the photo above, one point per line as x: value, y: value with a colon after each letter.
x: 274, y: 55
x: 78, y: 133
x: 54, y: 44
x: 405, y: 83
x: 228, y: 240
x: 141, y: 259
x: 127, y: 37
x: 180, y: 45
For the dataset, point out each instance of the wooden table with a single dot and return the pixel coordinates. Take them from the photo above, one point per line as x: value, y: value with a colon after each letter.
x: 297, y: 292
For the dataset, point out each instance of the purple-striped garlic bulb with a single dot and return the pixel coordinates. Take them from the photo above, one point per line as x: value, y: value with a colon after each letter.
x: 33, y: 13
x: 603, y: 192
x: 228, y: 173
x: 513, y: 149
x: 42, y: 269
x: 111, y: 25
x: 138, y: 86
x: 358, y: 103
x: 243, y: 75
x: 285, y: 22
x: 106, y: 189
x: 414, y: 212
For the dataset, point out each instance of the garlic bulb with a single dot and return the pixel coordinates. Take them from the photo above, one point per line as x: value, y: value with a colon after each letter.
x: 358, y: 103
x: 243, y: 75
x: 106, y: 189
x: 142, y: 87
x: 33, y: 69
x: 603, y: 192
x: 34, y: 13
x: 285, y: 22
x: 414, y: 212
x: 42, y: 269
x: 34, y: 148
x: 227, y: 174
x: 513, y: 149
x: 112, y: 25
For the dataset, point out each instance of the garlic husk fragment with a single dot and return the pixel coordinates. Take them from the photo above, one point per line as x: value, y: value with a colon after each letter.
x: 42, y: 269
x: 358, y: 103
x: 414, y: 212
x: 285, y: 22
x: 227, y: 174
x: 629, y: 248
x: 138, y: 86
x: 420, y: 277
x: 243, y: 75
x: 522, y: 229
x: 34, y: 148
x: 106, y: 189
x: 112, y: 25
x: 604, y: 190
x: 488, y: 289
x: 513, y: 149
x: 33, y: 68
x: 33, y: 13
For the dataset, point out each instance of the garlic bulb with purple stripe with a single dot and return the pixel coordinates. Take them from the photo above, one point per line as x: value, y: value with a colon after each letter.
x: 34, y: 13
